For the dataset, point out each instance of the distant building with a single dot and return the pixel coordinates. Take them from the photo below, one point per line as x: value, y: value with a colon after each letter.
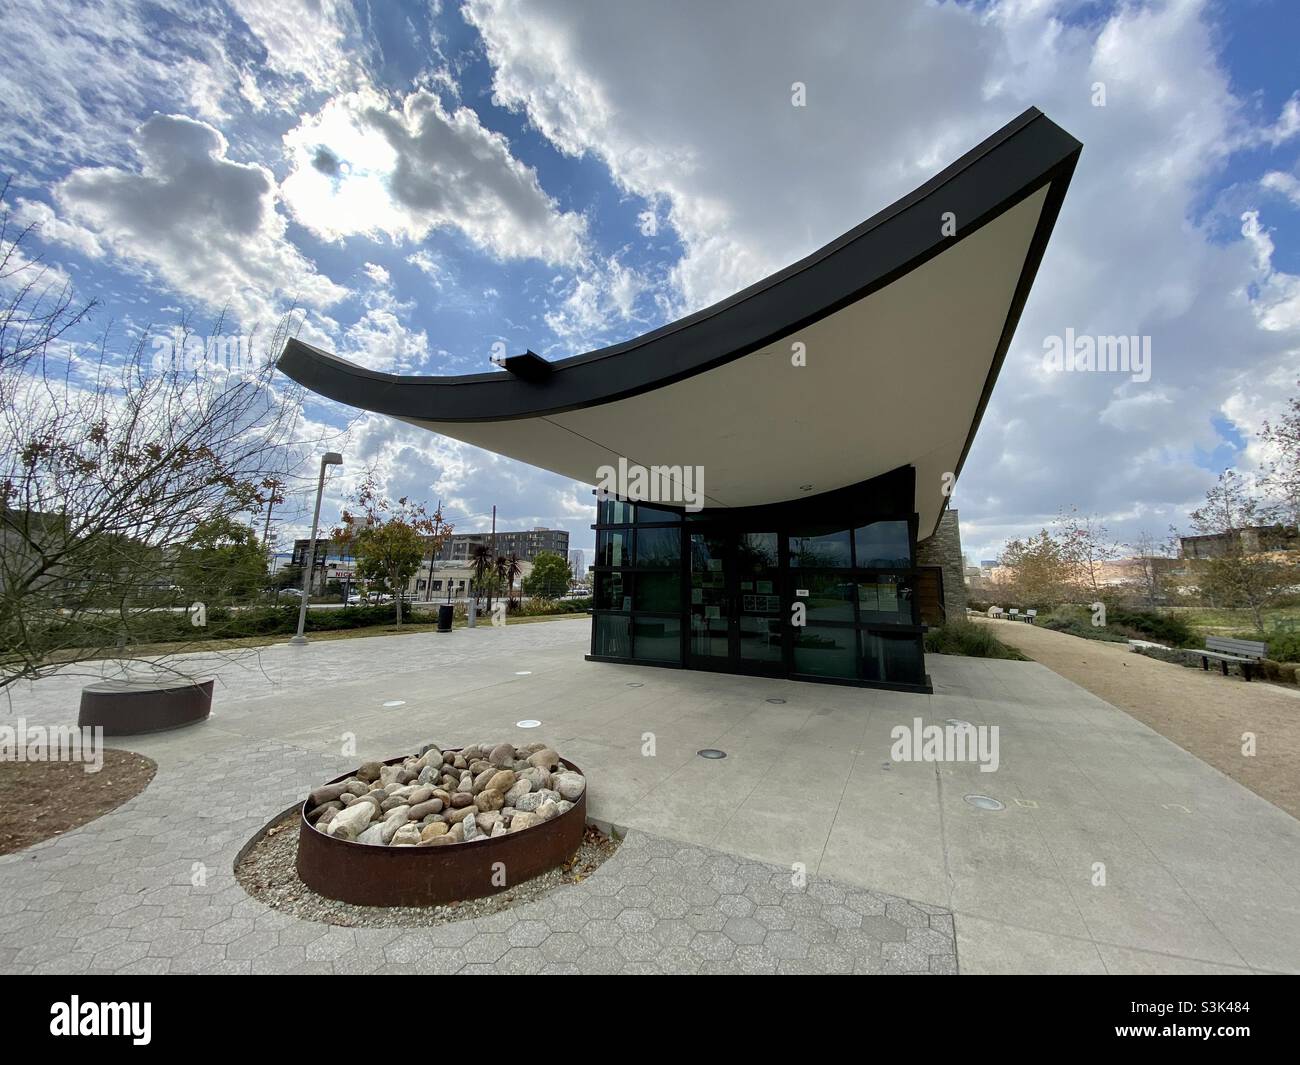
x: 527, y: 545
x: 578, y: 563
x: 1253, y: 540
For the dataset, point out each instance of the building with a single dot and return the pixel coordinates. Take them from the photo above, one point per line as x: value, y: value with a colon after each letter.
x: 795, y: 445
x: 578, y: 564
x: 526, y: 544
x: 1253, y: 540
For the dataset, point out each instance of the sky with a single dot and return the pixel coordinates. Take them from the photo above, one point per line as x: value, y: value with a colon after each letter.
x: 424, y: 180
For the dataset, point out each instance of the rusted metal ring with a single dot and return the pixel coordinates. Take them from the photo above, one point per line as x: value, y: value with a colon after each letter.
x: 131, y: 709
x: 370, y: 875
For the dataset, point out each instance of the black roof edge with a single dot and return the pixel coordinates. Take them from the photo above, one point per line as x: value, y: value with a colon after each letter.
x: 1029, y: 152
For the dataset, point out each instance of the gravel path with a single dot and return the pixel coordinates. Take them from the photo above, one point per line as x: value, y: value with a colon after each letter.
x: 1204, y: 713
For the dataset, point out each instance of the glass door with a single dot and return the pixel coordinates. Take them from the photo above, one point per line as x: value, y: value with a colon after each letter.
x: 735, y: 602
x: 711, y: 606
x: 758, y: 601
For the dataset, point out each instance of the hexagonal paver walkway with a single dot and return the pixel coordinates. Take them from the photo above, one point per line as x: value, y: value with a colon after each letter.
x: 150, y: 889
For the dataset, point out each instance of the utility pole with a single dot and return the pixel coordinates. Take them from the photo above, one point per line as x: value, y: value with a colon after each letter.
x: 493, y: 551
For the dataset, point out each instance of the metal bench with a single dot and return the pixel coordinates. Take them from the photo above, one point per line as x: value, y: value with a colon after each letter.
x: 995, y: 612
x: 1224, y: 649
x: 1013, y: 614
x: 1030, y: 615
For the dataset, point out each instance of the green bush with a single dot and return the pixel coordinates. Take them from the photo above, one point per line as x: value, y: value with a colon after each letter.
x: 1283, y: 646
x: 966, y: 638
x: 1151, y: 625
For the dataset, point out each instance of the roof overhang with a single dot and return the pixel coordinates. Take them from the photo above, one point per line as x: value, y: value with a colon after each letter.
x: 904, y: 323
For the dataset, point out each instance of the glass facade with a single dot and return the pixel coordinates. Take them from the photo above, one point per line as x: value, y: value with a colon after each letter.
x: 782, y: 590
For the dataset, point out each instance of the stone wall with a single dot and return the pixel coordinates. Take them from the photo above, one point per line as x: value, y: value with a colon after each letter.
x: 943, y: 549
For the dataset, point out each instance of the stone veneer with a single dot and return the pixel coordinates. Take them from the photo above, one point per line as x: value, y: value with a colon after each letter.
x: 944, y: 549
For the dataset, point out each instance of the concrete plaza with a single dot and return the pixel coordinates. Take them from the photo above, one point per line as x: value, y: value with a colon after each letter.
x: 1200, y: 874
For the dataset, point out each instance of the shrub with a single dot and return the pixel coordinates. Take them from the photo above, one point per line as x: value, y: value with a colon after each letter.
x: 961, y: 637
x: 1283, y: 646
x: 1149, y: 624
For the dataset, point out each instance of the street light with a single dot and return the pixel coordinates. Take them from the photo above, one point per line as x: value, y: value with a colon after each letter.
x: 330, y: 458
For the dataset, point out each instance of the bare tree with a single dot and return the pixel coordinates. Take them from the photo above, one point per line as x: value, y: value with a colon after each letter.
x: 1237, y: 576
x: 1282, y: 470
x: 108, y: 466
x: 1086, y: 547
x: 1156, y: 560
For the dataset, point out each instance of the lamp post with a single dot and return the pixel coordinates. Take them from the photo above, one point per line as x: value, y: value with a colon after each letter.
x: 330, y: 458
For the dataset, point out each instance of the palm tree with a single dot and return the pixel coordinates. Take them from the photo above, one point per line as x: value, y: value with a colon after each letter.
x: 481, y: 560
x: 508, y: 570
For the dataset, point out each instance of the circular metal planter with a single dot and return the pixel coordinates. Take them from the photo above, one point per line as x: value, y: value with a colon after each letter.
x: 370, y: 875
x: 128, y: 708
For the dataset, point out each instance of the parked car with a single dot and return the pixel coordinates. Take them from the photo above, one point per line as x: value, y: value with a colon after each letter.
x: 354, y: 599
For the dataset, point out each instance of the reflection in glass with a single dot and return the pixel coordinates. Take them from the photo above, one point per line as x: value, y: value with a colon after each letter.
x: 613, y: 548
x: 892, y: 657
x: 829, y: 598
x: 886, y: 597
x: 613, y: 512
x: 883, y: 545
x: 824, y: 651
x: 760, y: 639
x: 610, y: 591
x: 658, y: 639
x: 710, y: 610
x: 613, y: 636
x: 646, y: 515
x: 659, y: 591
x: 659, y: 548
x: 815, y: 547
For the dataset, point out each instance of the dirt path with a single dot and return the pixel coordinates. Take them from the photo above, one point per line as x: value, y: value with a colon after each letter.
x: 1204, y: 713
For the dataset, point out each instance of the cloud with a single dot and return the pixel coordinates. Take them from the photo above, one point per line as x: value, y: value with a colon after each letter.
x: 694, y: 114
x: 362, y: 165
x: 206, y: 224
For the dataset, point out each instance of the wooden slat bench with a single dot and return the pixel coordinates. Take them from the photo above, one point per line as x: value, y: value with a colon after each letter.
x: 1224, y: 649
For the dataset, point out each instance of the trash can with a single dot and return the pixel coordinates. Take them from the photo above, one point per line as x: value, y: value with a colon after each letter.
x: 445, y: 612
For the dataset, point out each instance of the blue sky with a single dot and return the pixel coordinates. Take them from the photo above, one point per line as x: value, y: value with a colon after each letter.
x: 426, y: 179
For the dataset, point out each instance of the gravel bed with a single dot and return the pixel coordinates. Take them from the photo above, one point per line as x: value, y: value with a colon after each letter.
x: 268, y: 873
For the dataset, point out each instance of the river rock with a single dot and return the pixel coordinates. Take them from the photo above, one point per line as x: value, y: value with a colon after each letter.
x: 422, y: 809
x: 407, y: 836
x: 523, y: 820
x: 487, y: 820
x: 502, y: 755
x: 530, y: 802
x: 538, y: 777
x: 372, y: 836
x: 544, y: 759
x: 328, y: 793
x: 350, y: 823
x: 432, y: 831
x: 456, y: 834
x: 502, y: 781
x: 330, y: 813
x: 564, y: 805
x: 370, y: 771
x: 462, y: 799
x: 499, y: 829
x: 518, y: 790
x: 458, y: 815
x: 490, y: 799
x: 548, y: 810
x: 420, y: 794
x: 395, y: 821
x: 570, y: 785
x: 469, y: 827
